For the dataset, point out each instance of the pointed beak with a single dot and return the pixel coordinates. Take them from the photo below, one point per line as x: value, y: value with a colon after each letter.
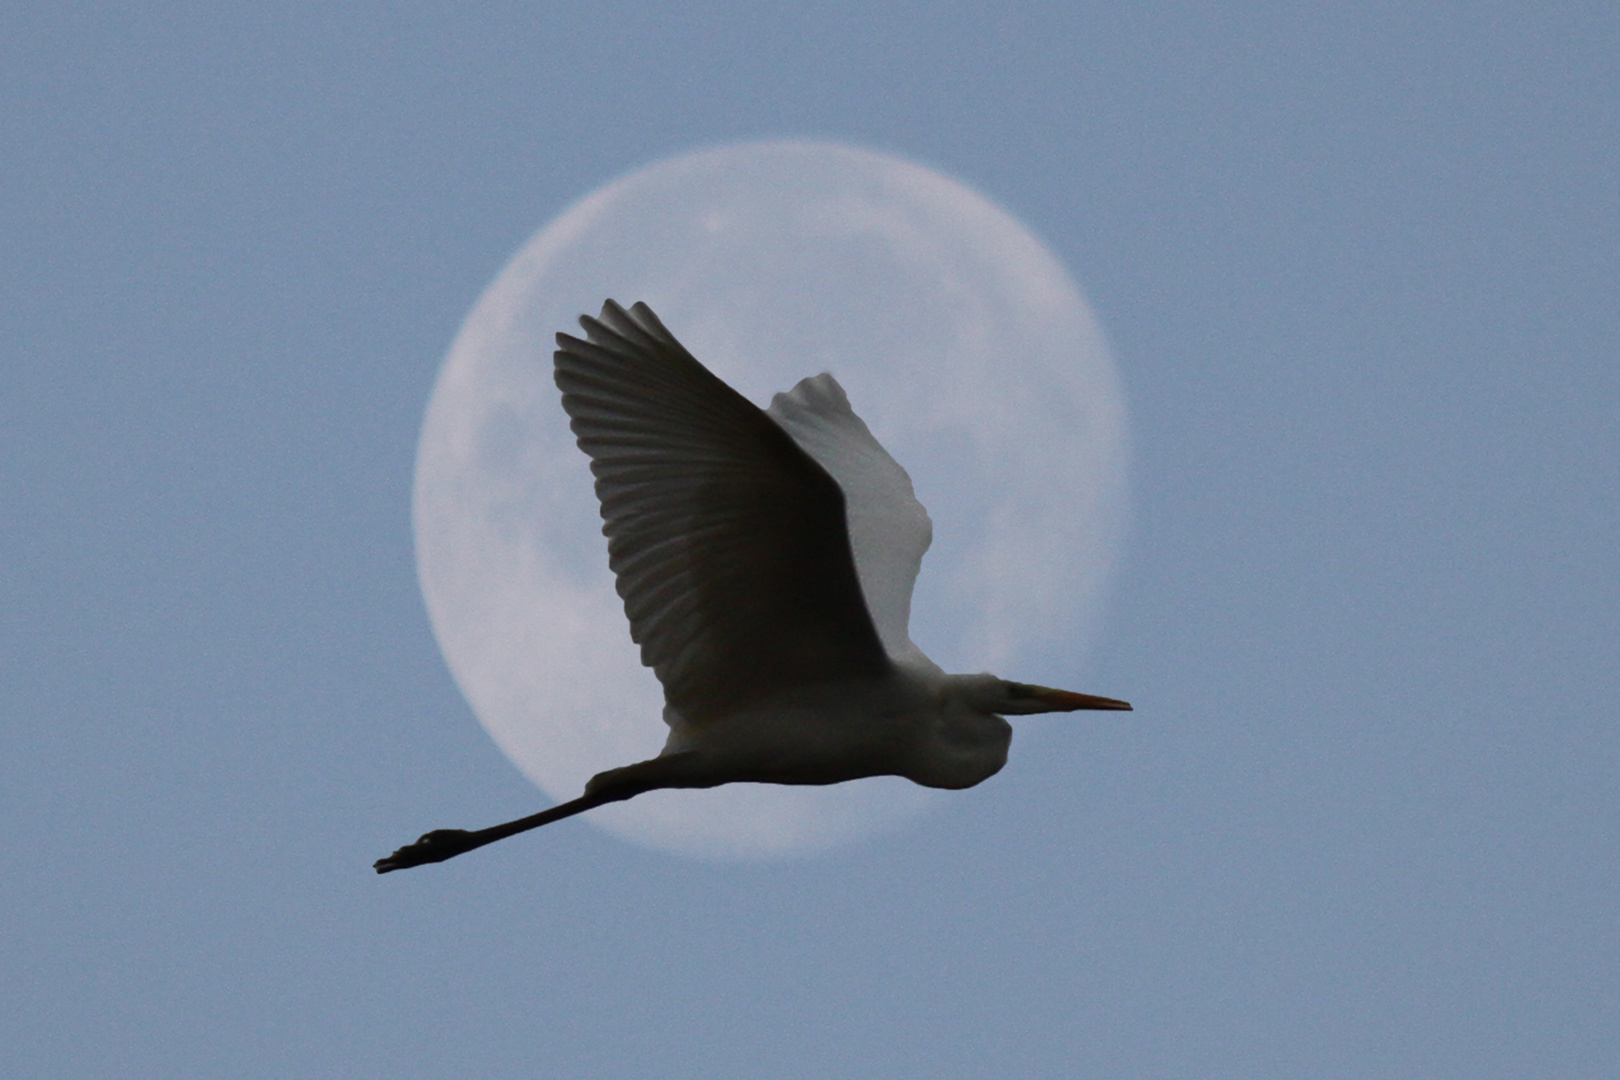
x: 1051, y: 700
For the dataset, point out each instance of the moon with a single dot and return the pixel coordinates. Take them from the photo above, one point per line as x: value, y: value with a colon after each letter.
x: 961, y: 340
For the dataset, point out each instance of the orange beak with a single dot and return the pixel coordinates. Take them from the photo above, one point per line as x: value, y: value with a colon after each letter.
x: 1069, y: 701
x: 1051, y: 700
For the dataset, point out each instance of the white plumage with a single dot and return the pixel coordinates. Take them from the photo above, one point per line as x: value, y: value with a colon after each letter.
x: 766, y: 560
x: 889, y: 531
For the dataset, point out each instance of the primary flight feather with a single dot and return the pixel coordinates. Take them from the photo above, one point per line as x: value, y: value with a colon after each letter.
x: 766, y: 560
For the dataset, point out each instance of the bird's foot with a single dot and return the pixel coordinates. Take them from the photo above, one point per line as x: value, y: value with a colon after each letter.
x: 436, y: 846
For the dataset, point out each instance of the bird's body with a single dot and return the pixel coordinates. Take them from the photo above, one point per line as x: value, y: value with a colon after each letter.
x: 766, y: 560
x: 901, y: 724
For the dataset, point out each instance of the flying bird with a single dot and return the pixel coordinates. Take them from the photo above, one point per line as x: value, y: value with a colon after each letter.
x: 766, y: 559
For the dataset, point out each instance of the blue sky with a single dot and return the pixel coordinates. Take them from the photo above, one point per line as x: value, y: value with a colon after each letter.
x: 1359, y: 272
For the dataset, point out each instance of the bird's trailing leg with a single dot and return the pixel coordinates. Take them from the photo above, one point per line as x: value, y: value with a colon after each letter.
x: 614, y: 785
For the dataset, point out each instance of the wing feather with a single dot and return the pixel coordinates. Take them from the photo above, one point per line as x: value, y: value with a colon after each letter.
x: 889, y: 529
x: 728, y: 542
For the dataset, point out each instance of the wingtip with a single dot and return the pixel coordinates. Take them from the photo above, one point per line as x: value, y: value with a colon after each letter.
x: 637, y: 327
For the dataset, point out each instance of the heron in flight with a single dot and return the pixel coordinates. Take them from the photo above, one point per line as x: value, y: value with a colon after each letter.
x: 766, y: 559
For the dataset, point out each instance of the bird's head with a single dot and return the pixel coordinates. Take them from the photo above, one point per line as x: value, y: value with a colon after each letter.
x: 969, y: 738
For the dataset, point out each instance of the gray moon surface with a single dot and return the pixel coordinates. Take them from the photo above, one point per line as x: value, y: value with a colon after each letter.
x: 960, y: 339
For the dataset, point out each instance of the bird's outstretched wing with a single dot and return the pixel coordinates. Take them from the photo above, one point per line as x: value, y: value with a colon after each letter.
x: 888, y: 528
x: 728, y: 541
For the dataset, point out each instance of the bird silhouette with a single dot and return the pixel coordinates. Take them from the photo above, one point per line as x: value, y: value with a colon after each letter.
x: 766, y: 560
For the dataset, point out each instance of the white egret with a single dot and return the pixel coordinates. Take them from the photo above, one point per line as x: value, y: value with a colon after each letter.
x: 766, y: 560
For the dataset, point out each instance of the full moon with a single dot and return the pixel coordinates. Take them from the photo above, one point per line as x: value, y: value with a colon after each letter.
x: 961, y: 341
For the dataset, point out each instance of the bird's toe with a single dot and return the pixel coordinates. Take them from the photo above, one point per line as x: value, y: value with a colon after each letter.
x: 432, y: 847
